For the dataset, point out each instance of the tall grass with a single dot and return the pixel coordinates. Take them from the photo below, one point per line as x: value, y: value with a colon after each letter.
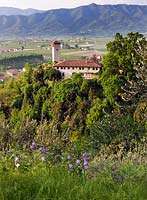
x: 129, y: 182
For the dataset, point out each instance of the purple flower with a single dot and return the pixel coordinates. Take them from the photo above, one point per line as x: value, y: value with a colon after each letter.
x: 85, y: 167
x: 33, y: 146
x: 84, y: 156
x: 70, y: 166
x: 17, y: 160
x: 43, y: 159
x: 68, y: 157
x: 85, y: 163
x: 77, y: 162
x: 43, y: 149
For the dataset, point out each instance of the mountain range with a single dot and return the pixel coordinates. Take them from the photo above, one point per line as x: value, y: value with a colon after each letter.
x: 96, y: 20
x: 17, y: 11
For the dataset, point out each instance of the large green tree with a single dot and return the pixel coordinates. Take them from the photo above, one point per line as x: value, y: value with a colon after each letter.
x: 120, y: 65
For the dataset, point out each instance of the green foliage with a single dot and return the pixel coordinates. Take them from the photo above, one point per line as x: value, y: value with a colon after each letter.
x: 17, y: 102
x: 52, y: 74
x: 119, y: 65
x: 117, y: 128
x: 64, y: 89
x: 20, y: 60
x: 75, y: 109
x: 46, y: 181
x: 95, y: 113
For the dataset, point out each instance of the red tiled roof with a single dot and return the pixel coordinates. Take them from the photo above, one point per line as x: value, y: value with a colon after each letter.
x: 56, y: 42
x: 12, y: 71
x: 4, y: 78
x: 77, y: 63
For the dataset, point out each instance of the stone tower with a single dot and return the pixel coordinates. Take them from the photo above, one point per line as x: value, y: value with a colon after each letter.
x: 56, y: 51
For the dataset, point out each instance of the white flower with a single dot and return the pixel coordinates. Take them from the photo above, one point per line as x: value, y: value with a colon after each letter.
x: 16, y: 160
x: 17, y: 165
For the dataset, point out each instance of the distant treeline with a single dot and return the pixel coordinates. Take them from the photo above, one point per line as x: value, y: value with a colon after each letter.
x: 19, y: 60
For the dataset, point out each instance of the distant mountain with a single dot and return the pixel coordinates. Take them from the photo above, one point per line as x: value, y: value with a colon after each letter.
x: 16, y: 11
x: 100, y: 20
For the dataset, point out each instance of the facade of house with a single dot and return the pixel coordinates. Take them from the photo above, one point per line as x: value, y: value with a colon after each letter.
x: 89, y: 68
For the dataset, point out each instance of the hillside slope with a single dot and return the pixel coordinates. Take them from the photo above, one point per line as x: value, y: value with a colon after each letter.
x: 16, y: 11
x: 101, y: 20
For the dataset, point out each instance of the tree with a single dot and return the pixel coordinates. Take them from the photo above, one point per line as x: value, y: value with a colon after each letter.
x: 52, y: 74
x: 136, y: 89
x: 120, y: 65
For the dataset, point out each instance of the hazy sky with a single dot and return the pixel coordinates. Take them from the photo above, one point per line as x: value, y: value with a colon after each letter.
x: 53, y: 4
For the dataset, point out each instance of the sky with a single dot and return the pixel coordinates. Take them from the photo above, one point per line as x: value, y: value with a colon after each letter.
x: 54, y: 4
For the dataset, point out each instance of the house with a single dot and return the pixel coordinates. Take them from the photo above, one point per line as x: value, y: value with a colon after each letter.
x: 3, y: 78
x: 89, y: 68
x: 12, y: 72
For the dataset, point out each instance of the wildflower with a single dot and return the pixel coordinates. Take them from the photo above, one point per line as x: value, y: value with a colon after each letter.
x: 85, y: 165
x: 84, y: 156
x: 17, y: 160
x: 43, y: 149
x: 68, y: 157
x: 17, y: 165
x: 33, y: 146
x: 43, y: 159
x: 70, y: 166
x: 77, y: 162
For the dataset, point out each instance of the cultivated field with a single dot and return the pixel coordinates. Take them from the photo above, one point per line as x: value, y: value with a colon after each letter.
x: 71, y: 48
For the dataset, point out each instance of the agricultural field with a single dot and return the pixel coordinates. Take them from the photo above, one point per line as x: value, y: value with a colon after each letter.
x: 71, y: 48
x: 15, y: 53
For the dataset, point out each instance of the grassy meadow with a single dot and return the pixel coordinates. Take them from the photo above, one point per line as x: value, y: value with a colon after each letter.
x: 32, y: 174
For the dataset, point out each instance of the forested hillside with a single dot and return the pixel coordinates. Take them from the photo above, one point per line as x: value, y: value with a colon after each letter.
x: 18, y: 61
x: 97, y: 20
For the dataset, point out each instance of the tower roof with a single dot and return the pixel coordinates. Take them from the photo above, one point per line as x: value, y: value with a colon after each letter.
x: 56, y: 42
